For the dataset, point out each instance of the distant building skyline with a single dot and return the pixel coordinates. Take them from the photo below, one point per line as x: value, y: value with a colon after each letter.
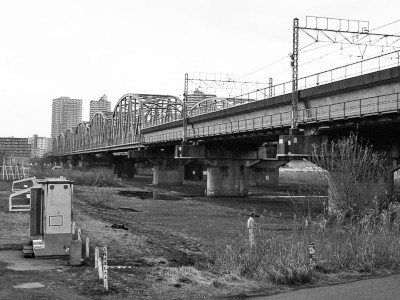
x: 14, y: 147
x: 196, y: 96
x: 101, y: 105
x: 66, y: 113
x: 39, y: 145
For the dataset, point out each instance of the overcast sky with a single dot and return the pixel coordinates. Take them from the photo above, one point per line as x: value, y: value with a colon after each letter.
x: 84, y: 49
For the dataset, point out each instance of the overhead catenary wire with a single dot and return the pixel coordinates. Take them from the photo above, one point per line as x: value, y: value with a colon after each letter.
x: 305, y: 49
x: 309, y: 50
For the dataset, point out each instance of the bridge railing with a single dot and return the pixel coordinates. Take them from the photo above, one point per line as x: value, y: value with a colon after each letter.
x: 387, y: 103
x: 355, y: 108
x: 160, y: 121
x: 366, y: 66
x: 170, y: 136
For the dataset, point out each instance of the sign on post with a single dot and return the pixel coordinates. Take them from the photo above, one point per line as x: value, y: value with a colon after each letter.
x: 79, y: 234
x: 311, y: 253
x: 105, y: 271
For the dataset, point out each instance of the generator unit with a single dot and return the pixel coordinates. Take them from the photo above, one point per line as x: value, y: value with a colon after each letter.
x: 50, y: 218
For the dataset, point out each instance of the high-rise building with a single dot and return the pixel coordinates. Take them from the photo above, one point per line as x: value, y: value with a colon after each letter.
x: 39, y: 145
x: 196, y: 97
x: 66, y: 113
x: 102, y: 105
x: 15, y: 147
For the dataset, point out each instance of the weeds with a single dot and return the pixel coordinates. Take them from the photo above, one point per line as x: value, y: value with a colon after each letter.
x: 98, y: 177
x: 276, y: 258
x: 102, y: 197
x: 282, y: 257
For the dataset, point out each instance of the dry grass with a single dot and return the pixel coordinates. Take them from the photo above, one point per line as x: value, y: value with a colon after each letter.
x: 101, y: 177
x: 282, y: 257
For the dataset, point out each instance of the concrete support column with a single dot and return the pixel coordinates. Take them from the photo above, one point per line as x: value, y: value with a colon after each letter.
x: 72, y: 162
x: 144, y: 168
x: 64, y: 162
x: 227, y: 177
x: 194, y: 171
x: 265, y: 173
x: 390, y: 177
x: 85, y: 160
x: 395, y: 155
x: 167, y: 172
x: 130, y: 167
x: 118, y: 164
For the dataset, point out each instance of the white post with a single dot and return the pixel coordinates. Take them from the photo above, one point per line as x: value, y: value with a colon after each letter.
x: 105, y: 268
x: 100, y: 268
x: 73, y: 227
x: 79, y: 235
x: 96, y: 257
x: 87, y: 247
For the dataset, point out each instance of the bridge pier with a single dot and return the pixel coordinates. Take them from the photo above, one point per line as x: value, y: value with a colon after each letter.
x: 118, y: 165
x: 130, y: 167
x: 227, y: 177
x: 166, y: 169
x: 63, y: 162
x: 167, y: 172
x: 265, y: 173
x: 228, y: 170
x: 85, y: 161
x: 395, y: 156
x: 72, y: 161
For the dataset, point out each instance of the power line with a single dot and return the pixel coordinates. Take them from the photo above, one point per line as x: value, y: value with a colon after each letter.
x: 351, y: 36
x: 262, y: 68
x: 302, y: 51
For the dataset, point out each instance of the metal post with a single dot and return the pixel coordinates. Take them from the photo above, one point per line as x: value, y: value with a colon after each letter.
x: 377, y: 104
x: 270, y: 87
x: 184, y: 110
x: 295, y: 69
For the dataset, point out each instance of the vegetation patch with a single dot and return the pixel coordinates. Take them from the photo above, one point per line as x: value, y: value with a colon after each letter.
x: 101, y: 177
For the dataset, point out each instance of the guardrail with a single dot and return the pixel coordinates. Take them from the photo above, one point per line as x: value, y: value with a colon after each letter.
x: 366, y: 66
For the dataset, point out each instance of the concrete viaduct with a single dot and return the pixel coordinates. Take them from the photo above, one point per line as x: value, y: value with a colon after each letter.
x: 239, y: 145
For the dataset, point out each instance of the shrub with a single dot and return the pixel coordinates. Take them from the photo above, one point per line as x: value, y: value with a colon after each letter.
x: 102, y: 196
x: 355, y: 175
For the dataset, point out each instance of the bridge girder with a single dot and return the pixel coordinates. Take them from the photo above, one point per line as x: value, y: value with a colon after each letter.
x: 122, y: 126
x: 210, y: 105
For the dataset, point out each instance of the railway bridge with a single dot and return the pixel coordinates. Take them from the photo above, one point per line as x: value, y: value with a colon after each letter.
x: 241, y: 140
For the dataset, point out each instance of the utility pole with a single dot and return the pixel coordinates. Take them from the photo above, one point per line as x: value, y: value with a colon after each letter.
x: 184, y: 110
x: 332, y: 30
x: 295, y: 73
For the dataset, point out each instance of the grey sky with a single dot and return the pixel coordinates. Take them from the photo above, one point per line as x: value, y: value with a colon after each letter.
x: 84, y: 49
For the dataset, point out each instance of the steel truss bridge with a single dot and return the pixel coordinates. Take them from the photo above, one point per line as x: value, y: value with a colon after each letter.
x: 134, y: 113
